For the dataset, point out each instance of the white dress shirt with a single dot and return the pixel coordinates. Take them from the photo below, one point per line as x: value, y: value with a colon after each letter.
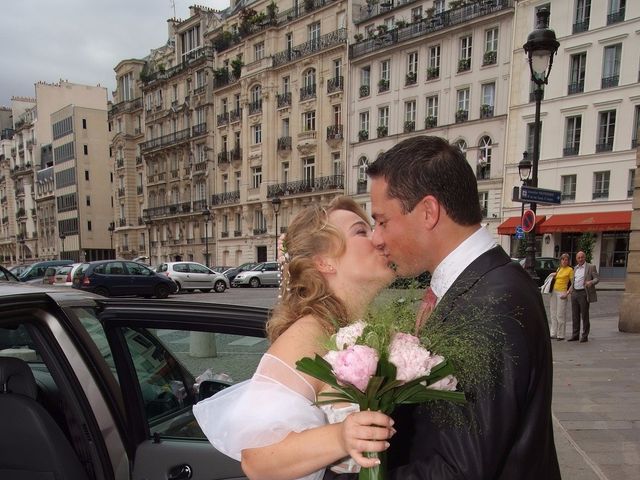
x: 449, y: 269
x: 578, y: 276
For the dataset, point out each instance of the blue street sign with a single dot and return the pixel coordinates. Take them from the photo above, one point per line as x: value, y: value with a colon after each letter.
x: 519, y: 232
x: 539, y: 195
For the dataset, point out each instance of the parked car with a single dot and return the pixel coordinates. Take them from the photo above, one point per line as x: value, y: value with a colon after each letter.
x: 7, y: 276
x: 108, y: 386
x: 266, y: 274
x: 232, y: 272
x: 62, y: 276
x: 190, y: 276
x: 220, y: 269
x: 121, y: 277
x: 543, y: 267
x: 18, y: 269
x: 34, y: 273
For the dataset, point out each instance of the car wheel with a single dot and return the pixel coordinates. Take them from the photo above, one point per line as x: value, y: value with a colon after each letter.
x: 205, y: 290
x: 161, y: 291
x: 254, y: 282
x: 179, y: 289
x: 219, y: 286
x: 101, y: 291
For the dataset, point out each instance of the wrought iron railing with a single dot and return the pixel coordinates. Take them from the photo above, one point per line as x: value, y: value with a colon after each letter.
x: 335, y: 84
x: 335, y: 132
x: 165, y: 140
x: 611, y: 81
x: 570, y: 151
x: 225, y: 198
x: 284, y: 143
x: 308, y: 92
x: 309, y: 48
x: 333, y: 182
x: 574, y: 88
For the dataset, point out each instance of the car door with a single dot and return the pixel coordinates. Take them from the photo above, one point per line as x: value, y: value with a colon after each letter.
x: 181, y: 275
x: 142, y: 279
x: 114, y: 276
x: 161, y: 352
x: 201, y: 276
x: 270, y: 274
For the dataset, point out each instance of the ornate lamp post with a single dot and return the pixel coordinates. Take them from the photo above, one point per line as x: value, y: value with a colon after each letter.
x: 206, y: 213
x: 111, y: 228
x: 62, y: 237
x: 540, y: 48
x: 276, y: 203
x: 147, y: 222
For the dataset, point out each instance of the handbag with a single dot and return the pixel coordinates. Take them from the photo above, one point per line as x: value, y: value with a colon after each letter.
x: 547, y: 286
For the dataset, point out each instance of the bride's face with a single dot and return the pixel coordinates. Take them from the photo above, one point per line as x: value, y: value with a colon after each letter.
x: 361, y: 261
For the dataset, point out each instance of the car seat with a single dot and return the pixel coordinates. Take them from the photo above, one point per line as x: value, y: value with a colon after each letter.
x: 32, y: 445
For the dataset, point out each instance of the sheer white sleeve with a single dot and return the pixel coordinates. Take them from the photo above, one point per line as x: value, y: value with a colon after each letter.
x: 261, y: 411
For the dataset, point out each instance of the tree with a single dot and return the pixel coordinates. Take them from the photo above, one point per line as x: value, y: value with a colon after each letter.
x: 585, y: 243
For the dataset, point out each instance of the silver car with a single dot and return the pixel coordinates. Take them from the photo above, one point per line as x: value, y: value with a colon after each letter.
x: 266, y: 273
x: 190, y: 276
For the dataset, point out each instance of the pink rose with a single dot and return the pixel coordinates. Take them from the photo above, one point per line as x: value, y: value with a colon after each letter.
x: 447, y: 383
x: 354, y: 365
x: 347, y: 336
x: 410, y: 358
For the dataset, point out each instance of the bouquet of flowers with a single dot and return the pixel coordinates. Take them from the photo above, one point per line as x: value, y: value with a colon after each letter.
x: 377, y: 366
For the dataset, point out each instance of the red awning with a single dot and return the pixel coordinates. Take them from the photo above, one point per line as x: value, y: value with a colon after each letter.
x: 588, y: 222
x: 508, y: 227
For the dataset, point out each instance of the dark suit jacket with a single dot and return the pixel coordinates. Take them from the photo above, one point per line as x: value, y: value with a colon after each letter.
x: 513, y: 438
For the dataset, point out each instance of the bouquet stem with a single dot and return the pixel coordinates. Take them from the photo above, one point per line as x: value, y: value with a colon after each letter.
x: 379, y: 472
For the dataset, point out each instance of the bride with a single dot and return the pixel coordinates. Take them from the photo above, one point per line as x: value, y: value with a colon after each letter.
x: 331, y: 271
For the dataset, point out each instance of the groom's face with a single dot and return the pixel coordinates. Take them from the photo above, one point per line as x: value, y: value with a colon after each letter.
x: 398, y: 234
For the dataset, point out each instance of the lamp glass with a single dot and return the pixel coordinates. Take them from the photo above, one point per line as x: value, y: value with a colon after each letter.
x: 540, y: 62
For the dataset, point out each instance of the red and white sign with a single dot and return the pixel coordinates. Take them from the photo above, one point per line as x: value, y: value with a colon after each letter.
x: 528, y: 220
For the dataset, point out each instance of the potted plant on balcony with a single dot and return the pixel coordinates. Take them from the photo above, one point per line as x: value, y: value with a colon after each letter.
x: 453, y: 4
x: 411, y: 78
x: 236, y: 67
x: 429, y: 12
x: 383, y: 85
x: 221, y: 74
x: 272, y: 11
x: 383, y: 131
x: 358, y: 37
x: 409, y: 126
x: 364, y: 90
x: 309, y: 5
x: 490, y: 57
x: 486, y: 110
x: 401, y: 23
x: 461, y: 115
x: 363, y: 135
x: 430, y: 121
x: 464, y: 64
x: 433, y: 72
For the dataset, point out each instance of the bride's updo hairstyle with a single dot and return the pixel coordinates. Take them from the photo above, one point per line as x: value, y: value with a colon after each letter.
x: 304, y: 290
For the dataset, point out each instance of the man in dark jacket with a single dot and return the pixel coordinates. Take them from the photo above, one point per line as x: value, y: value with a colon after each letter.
x: 425, y: 203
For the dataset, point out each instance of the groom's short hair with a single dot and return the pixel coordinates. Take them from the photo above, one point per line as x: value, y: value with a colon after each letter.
x: 428, y: 165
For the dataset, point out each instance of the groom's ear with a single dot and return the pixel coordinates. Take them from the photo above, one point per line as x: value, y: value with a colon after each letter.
x: 429, y: 211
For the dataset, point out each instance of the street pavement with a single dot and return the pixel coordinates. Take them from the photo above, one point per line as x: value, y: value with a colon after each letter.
x: 596, y: 396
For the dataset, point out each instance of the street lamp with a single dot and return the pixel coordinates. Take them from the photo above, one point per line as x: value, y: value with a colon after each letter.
x: 111, y: 228
x: 147, y: 222
x: 275, y: 203
x: 206, y: 213
x: 62, y: 237
x: 540, y: 48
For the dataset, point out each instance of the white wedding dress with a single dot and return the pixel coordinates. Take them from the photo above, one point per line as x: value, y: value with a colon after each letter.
x: 262, y: 411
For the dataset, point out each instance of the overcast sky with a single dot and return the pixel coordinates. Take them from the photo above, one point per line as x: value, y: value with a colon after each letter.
x: 79, y: 40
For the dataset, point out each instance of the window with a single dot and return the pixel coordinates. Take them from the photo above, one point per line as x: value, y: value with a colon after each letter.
x: 412, y: 65
x: 572, y: 135
x: 85, y: 149
x: 464, y: 57
x: 601, y: 185
x: 568, y: 187
x: 491, y: 40
x: 86, y: 175
x: 383, y: 116
x: 336, y: 164
x: 365, y: 77
x: 314, y: 34
x: 309, y: 170
x: 433, y: 70
x: 488, y: 100
x: 462, y: 145
x: 582, y: 14
x: 224, y: 106
x: 578, y: 66
x: 84, y: 123
x: 337, y: 114
x: 615, y: 13
x: 410, y: 111
x: 463, y: 97
x: 484, y: 158
x: 531, y: 130
x: 416, y: 14
x: 190, y: 41
x: 337, y: 68
x: 614, y: 250
x: 431, y: 119
x: 259, y: 222
x: 309, y: 121
x: 439, y: 5
x: 258, y: 51
x: 606, y: 130
x: 238, y: 178
x: 364, y: 123
x: 289, y: 41
x: 630, y: 183
x: 363, y: 163
x: 611, y: 66
x: 256, y: 99
x: 200, y: 78
x: 89, y: 225
x: 256, y: 177
x: 285, y: 127
x: 238, y: 222
x: 309, y: 79
x: 390, y: 22
x: 483, y: 198
x: 256, y: 134
x: 285, y: 172
x: 636, y: 126
x: 385, y: 70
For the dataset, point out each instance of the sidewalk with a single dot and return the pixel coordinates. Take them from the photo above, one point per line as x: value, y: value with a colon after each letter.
x: 596, y: 398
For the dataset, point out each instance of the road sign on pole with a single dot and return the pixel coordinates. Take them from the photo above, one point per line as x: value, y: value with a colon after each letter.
x: 539, y: 195
x: 519, y: 232
x: 528, y: 220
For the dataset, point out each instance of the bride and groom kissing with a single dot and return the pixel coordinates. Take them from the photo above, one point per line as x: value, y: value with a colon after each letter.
x: 427, y: 216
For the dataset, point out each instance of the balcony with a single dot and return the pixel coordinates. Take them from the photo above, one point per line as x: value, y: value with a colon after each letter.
x: 226, y: 198
x: 283, y: 100
x: 166, y: 140
x: 574, y: 88
x: 383, y: 85
x: 372, y: 9
x: 361, y: 186
x: 570, y: 151
x: 604, y: 147
x: 21, y: 213
x: 464, y: 65
x: 430, y: 122
x: 568, y: 197
x: 201, y: 165
x: 486, y: 111
x: 318, y: 184
x: 199, y: 90
x: 167, y: 210
x: 224, y: 234
x: 237, y: 233
x: 224, y: 158
x: 433, y: 73
x: 222, y: 78
x: 615, y: 17
x: 364, y: 91
x: 236, y: 154
x: 483, y: 171
x: 489, y: 58
x: 119, y: 162
x: 462, y: 116
x: 122, y: 222
x: 329, y: 40
x: 255, y: 107
x: 259, y: 231
x: 335, y: 132
x: 199, y: 205
x: 382, y: 131
x: 411, y: 78
x: 409, y: 126
x: 222, y: 119
x: 121, y: 192
x: 335, y: 84
x: 601, y: 195
x: 308, y: 92
x: 284, y: 143
x: 579, y: 27
x: 235, y: 115
x: 199, y: 129
x: 126, y: 106
x: 609, y: 82
x: 427, y: 26
x: 189, y: 60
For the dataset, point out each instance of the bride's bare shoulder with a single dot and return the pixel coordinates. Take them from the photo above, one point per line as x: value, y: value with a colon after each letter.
x: 304, y: 338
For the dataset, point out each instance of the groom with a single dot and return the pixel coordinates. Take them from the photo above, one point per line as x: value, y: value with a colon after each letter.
x: 425, y: 204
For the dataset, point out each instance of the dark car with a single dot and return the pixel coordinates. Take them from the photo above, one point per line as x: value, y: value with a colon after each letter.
x: 544, y: 266
x: 114, y: 278
x: 232, y: 272
x: 103, y: 388
x: 34, y: 273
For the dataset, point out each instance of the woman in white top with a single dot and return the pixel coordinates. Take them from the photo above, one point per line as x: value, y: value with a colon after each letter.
x: 331, y: 272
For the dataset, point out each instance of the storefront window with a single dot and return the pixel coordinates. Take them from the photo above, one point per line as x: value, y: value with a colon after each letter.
x: 615, y: 248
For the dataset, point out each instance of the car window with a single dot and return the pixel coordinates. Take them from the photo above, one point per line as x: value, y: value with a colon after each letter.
x: 195, y: 268
x: 180, y: 268
x: 162, y: 268
x: 270, y: 267
x: 137, y: 269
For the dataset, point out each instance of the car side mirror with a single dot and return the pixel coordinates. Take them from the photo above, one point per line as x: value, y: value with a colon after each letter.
x: 209, y: 388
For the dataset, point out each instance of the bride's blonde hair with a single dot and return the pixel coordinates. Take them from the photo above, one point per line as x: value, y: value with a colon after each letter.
x: 304, y: 290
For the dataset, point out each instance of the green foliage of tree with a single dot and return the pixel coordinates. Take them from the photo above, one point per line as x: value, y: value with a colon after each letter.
x: 586, y: 243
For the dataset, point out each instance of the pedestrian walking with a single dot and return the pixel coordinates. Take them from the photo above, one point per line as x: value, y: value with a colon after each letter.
x: 583, y: 292
x: 562, y: 280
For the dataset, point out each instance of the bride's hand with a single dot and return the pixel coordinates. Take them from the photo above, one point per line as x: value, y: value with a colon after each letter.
x: 366, y: 432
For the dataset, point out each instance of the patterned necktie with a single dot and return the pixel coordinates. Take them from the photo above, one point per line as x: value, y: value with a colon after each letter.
x: 427, y: 305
